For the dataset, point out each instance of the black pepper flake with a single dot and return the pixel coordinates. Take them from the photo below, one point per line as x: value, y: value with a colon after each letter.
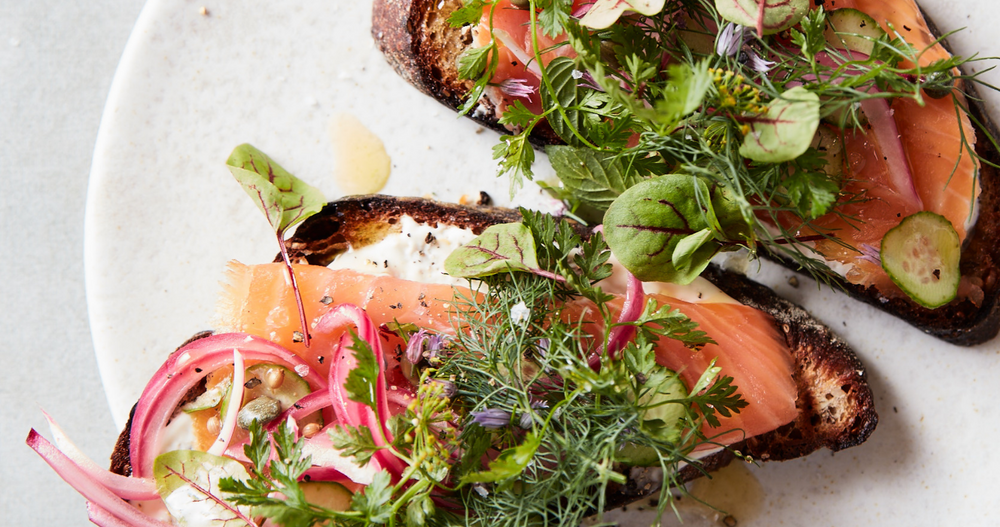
x: 937, y: 274
x: 396, y: 306
x: 321, y: 359
x: 819, y: 3
x: 297, y: 336
x: 385, y: 264
x: 895, y: 410
x: 513, y: 63
x: 906, y: 28
x: 326, y: 300
x: 297, y: 406
x: 484, y: 199
x: 252, y: 383
x: 430, y: 238
x: 423, y: 304
x: 307, y: 477
x: 421, y: 296
x: 197, y: 370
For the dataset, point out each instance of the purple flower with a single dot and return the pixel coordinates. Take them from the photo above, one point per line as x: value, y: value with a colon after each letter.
x: 491, y: 418
x: 732, y: 42
x: 415, y: 347
x: 517, y: 88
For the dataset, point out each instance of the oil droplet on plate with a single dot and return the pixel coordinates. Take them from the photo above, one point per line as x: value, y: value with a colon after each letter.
x: 733, y: 490
x: 361, y: 163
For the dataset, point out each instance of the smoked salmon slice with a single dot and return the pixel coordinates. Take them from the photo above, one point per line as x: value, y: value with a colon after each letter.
x: 257, y: 300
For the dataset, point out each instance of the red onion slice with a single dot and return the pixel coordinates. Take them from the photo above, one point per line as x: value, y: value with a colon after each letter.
x: 83, y: 483
x: 350, y: 412
x: 128, y: 488
x: 183, y: 370
x: 884, y: 128
x: 102, y: 518
x: 635, y: 300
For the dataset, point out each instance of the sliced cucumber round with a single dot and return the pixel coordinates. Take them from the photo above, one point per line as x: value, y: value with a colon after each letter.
x: 921, y: 256
x: 852, y: 30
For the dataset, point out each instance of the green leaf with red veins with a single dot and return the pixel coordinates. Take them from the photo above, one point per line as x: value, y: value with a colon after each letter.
x: 606, y: 12
x: 285, y: 199
x: 498, y: 249
x: 667, y: 217
x: 188, y: 483
x: 786, y: 131
x: 767, y: 16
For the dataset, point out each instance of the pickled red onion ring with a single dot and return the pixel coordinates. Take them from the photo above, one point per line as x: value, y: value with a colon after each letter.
x: 635, y: 299
x: 122, y: 486
x: 182, y: 371
x: 350, y: 412
x: 87, y: 486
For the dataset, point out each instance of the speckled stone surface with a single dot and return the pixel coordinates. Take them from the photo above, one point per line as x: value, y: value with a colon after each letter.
x: 163, y: 216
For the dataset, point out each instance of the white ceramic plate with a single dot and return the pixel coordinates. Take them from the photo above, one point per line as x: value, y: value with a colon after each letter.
x: 164, y: 216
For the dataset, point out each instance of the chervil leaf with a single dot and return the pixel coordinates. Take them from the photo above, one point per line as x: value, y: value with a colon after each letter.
x: 472, y: 63
x: 516, y: 156
x: 354, y: 442
x: 518, y: 115
x: 282, y: 197
x: 362, y: 378
x: 374, y: 500
x: 470, y: 13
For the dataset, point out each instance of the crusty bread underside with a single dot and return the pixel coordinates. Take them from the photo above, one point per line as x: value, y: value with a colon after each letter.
x: 836, y: 408
x: 423, y: 48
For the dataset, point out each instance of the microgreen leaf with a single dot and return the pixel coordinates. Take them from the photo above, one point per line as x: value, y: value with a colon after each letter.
x: 594, y: 178
x: 500, y: 248
x: 285, y: 199
x: 786, y: 131
x: 684, y: 92
x: 606, y: 12
x: 188, y: 483
x: 768, y: 16
x: 646, y: 223
x: 509, y: 463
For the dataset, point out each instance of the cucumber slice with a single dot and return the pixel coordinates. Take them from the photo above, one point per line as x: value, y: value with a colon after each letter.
x: 853, y: 30
x: 276, y: 382
x: 328, y: 494
x: 921, y: 256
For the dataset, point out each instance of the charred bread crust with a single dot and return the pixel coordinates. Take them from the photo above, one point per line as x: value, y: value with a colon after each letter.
x: 836, y: 406
x: 418, y: 42
x: 423, y: 48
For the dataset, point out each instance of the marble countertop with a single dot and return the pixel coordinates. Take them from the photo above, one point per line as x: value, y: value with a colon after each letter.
x: 57, y: 60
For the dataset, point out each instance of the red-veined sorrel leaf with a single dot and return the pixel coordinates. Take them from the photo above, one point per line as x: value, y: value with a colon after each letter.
x: 786, y: 131
x: 767, y: 16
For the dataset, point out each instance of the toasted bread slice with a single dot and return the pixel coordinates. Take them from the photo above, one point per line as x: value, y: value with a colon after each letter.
x: 419, y: 43
x: 836, y: 407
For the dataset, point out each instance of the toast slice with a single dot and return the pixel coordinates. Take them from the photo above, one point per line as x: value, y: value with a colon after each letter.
x: 419, y: 43
x: 835, y: 403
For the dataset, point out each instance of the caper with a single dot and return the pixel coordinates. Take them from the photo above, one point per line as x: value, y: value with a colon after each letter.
x: 939, y: 84
x: 262, y: 409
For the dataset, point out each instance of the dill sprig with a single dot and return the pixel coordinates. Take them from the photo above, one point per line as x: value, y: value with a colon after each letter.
x: 654, y: 95
x: 522, y: 417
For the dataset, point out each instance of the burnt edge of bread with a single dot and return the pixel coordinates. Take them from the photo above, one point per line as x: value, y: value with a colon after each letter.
x: 419, y: 44
x: 836, y: 405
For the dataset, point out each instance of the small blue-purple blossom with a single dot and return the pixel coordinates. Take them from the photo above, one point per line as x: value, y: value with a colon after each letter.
x: 422, y: 341
x: 491, y: 418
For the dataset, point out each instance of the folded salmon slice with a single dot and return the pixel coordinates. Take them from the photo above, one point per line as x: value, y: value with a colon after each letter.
x: 258, y: 300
